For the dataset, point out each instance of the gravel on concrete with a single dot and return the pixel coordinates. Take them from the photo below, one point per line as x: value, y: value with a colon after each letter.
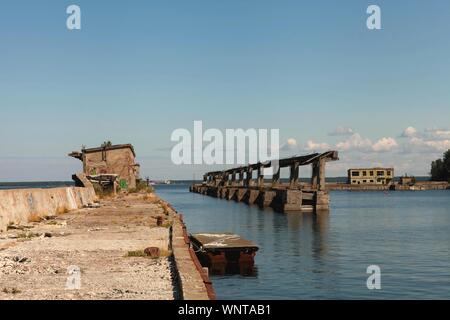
x: 104, y: 245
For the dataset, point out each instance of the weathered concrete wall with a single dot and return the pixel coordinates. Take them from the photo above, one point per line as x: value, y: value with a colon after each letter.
x: 281, y: 199
x: 424, y: 185
x: 21, y: 205
x: 356, y: 187
x: 116, y: 161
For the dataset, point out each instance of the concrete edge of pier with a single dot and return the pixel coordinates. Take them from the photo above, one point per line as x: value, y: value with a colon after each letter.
x: 20, y: 206
x: 193, y: 281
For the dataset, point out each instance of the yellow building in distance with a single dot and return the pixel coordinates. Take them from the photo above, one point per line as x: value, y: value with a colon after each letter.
x: 371, y: 176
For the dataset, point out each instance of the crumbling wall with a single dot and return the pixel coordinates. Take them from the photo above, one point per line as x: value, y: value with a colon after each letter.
x: 114, y: 161
x: 20, y: 205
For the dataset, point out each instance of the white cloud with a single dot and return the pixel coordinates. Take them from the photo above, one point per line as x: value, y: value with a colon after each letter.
x: 439, y: 134
x: 418, y: 148
x: 313, y: 146
x: 354, y: 142
x: 384, y: 145
x: 441, y: 145
x: 341, y: 131
x: 422, y: 145
x: 358, y: 143
x: 428, y: 140
x: 290, y: 144
x: 409, y: 132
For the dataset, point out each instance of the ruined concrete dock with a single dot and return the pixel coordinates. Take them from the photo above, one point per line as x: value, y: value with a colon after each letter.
x: 127, y: 247
x: 225, y: 253
x: 239, y: 184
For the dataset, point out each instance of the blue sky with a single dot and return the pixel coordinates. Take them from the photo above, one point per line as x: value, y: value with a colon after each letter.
x: 138, y: 70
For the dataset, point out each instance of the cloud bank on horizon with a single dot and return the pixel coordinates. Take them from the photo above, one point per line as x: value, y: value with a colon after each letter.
x: 411, y: 152
x: 409, y: 141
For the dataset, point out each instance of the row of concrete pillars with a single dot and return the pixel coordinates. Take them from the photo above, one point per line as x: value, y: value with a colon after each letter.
x: 229, y: 177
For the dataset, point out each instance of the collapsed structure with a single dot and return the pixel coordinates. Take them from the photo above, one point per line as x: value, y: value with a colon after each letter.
x: 239, y: 184
x: 110, y: 165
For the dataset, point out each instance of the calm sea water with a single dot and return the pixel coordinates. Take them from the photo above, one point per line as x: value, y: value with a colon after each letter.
x: 306, y: 256
x: 32, y: 185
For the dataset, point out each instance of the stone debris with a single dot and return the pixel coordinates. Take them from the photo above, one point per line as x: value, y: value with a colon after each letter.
x: 152, y: 252
x: 20, y: 259
x: 20, y: 227
x: 14, y: 265
x: 93, y: 206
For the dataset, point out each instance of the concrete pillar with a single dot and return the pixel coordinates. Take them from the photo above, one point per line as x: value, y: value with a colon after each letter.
x: 315, y: 175
x: 294, y: 174
x: 260, y: 176
x: 218, y: 179
x: 276, y: 176
x: 224, y: 179
x: 248, y: 180
x: 318, y: 175
x: 322, y: 184
x: 241, y: 177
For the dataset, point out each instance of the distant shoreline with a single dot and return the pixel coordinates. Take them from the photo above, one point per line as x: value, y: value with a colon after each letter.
x: 178, y: 181
x: 35, y: 184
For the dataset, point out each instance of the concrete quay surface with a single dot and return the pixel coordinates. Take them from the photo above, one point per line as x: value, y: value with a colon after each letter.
x: 98, y: 253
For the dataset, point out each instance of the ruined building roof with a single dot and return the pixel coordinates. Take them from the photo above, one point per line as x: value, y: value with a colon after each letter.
x: 371, y: 168
x: 78, y: 155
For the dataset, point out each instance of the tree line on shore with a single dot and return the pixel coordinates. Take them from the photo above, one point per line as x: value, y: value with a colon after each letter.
x: 440, y: 168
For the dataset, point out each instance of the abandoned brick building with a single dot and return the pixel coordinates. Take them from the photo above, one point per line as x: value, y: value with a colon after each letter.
x: 111, y: 159
x: 383, y: 176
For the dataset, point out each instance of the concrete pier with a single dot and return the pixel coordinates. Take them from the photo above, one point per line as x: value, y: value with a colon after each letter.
x: 133, y: 246
x: 239, y: 184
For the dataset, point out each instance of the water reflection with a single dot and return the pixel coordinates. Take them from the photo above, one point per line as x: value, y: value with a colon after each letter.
x: 325, y: 255
x: 229, y: 269
x: 320, y: 226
